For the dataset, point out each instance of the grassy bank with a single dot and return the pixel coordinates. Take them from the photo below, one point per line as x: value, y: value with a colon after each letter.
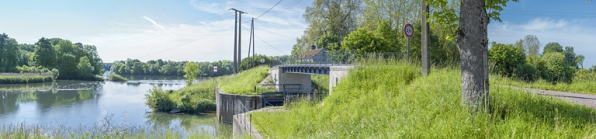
x: 117, y: 78
x: 577, y: 86
x: 391, y: 100
x: 244, y: 82
x: 200, y: 97
x: 24, y: 78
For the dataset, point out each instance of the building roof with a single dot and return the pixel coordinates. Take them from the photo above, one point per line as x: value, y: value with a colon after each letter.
x: 310, y: 53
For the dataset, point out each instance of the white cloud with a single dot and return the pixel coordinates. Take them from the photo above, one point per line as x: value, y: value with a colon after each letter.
x: 578, y: 33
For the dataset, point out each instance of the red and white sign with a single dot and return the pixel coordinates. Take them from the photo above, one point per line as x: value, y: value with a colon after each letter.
x: 409, y: 30
x: 214, y: 68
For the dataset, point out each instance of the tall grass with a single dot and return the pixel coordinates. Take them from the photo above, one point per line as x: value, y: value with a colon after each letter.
x: 389, y: 99
x: 577, y: 86
x: 24, y: 78
x: 321, y: 82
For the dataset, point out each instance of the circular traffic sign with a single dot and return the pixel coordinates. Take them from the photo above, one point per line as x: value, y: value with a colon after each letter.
x: 262, y: 60
x: 409, y: 30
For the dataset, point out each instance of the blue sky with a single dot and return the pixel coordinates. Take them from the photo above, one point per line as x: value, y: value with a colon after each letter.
x: 202, y: 30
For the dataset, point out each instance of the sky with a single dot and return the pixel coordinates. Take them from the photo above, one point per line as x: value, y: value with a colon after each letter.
x: 203, y: 30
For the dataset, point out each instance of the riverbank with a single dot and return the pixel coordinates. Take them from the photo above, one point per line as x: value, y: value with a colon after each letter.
x: 200, y: 97
x: 389, y: 99
x: 25, y: 78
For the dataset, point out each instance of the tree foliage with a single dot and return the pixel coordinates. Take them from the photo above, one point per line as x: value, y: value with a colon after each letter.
x: 365, y: 41
x: 506, y: 58
x: 191, y: 71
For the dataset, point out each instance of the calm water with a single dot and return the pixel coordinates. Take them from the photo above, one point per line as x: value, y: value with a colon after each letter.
x: 81, y: 103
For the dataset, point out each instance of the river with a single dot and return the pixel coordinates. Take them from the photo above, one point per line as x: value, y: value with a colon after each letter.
x: 75, y: 104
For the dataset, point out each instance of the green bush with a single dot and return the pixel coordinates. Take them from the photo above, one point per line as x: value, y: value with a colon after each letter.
x: 506, y: 59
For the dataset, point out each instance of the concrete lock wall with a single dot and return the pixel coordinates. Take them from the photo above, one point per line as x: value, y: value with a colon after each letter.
x: 290, y: 78
x: 336, y: 73
x: 228, y: 105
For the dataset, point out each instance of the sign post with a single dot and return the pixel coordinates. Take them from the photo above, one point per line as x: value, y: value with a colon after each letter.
x: 409, y: 31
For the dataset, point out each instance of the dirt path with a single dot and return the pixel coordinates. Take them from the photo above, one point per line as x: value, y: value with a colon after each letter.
x: 583, y: 99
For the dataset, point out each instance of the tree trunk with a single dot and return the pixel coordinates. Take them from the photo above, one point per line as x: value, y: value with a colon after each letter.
x: 472, y: 42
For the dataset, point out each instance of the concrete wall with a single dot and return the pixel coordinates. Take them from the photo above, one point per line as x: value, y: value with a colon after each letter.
x: 336, y: 74
x: 231, y: 104
x: 290, y: 78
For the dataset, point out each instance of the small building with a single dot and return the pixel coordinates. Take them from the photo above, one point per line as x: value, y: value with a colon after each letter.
x: 313, y: 55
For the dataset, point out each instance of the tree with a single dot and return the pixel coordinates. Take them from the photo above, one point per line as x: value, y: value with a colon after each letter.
x: 472, y: 41
x: 580, y: 60
x: 9, y: 53
x: 85, y: 69
x: 329, y: 41
x: 557, y: 68
x: 364, y: 41
x: 570, y: 56
x: 531, y: 45
x: 506, y: 58
x: 191, y: 71
x: 337, y: 17
x: 44, y: 55
x: 552, y: 47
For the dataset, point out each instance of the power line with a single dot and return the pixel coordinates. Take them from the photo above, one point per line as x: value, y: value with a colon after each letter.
x: 185, y: 43
x: 286, y: 8
x: 266, y: 42
x: 269, y: 9
x: 276, y: 33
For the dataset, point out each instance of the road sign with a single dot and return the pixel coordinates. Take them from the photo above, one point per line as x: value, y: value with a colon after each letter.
x: 409, y: 30
x: 215, y: 69
x: 262, y: 60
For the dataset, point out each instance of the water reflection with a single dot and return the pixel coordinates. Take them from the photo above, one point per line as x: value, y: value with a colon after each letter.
x: 82, y: 103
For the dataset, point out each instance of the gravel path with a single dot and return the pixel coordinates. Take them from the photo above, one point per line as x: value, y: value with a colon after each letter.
x: 583, y: 99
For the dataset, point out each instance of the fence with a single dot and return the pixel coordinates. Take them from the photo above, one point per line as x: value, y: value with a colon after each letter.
x: 332, y: 57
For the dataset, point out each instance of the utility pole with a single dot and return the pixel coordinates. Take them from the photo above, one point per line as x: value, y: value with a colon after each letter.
x: 240, y: 40
x: 237, y: 35
x: 253, y: 41
x: 250, y: 43
x: 425, y: 39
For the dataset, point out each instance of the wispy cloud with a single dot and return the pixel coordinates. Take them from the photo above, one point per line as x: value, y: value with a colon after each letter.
x: 157, y: 25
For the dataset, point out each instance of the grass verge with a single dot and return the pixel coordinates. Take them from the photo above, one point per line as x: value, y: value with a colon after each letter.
x: 391, y: 100
x: 577, y: 86
x: 24, y: 78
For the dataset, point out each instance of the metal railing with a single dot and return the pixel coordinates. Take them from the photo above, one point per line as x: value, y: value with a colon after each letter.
x: 331, y: 57
x: 243, y: 119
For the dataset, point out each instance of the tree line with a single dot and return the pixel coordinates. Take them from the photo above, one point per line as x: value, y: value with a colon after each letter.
x: 523, y: 60
x: 71, y: 60
x: 169, y: 68
x: 177, y: 68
